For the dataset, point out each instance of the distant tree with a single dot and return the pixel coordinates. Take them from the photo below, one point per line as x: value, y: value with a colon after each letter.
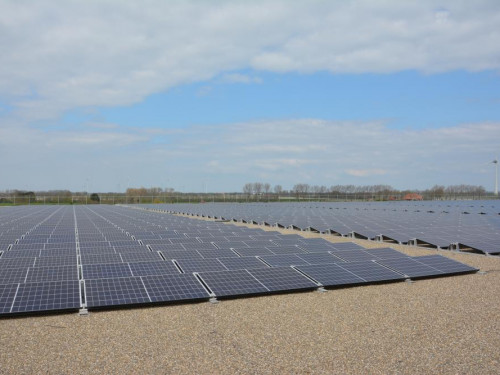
x: 278, y: 189
x: 94, y: 197
x: 248, y: 188
x: 257, y: 187
x: 267, y: 188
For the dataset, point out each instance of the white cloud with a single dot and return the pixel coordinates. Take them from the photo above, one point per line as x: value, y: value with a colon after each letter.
x: 227, y: 156
x: 64, y: 55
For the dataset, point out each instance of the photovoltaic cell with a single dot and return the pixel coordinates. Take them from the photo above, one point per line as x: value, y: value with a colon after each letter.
x: 56, y: 261
x: 141, y: 257
x: 13, y: 275
x: 113, y: 292
x: 16, y: 262
x: 285, y: 260
x: 101, y: 259
x: 353, y: 255
x: 181, y: 254
x: 319, y: 258
x: 45, y: 296
x: 385, y: 253
x: 232, y: 283
x: 253, y: 251
x: 217, y: 253
x: 174, y: 287
x: 282, y: 279
x: 287, y: 250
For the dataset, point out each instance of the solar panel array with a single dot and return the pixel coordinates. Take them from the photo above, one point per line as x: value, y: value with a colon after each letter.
x: 459, y: 225
x: 66, y: 258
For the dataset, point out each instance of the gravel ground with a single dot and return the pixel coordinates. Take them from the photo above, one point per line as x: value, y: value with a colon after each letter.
x: 439, y: 326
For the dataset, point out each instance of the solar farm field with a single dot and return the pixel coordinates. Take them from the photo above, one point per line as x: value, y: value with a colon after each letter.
x: 472, y: 226
x: 56, y: 258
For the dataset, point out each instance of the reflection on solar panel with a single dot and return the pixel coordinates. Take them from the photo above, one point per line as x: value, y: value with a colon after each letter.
x: 232, y: 283
x: 113, y: 292
x: 282, y: 279
x: 178, y: 287
x: 331, y: 275
x: 45, y: 296
x: 319, y: 258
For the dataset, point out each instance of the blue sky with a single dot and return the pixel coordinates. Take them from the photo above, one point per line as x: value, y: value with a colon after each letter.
x: 189, y: 94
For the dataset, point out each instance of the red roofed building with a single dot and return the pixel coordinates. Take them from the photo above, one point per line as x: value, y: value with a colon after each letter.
x: 413, y: 197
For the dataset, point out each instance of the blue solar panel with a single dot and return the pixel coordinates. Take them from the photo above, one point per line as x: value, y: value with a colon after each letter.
x: 114, y: 292
x: 45, y: 296
x: 17, y: 262
x: 13, y: 275
x: 353, y: 255
x: 179, y: 287
x: 371, y: 271
x: 287, y: 250
x: 200, y: 265
x: 56, y: 261
x: 282, y: 279
x: 101, y: 259
x: 331, y: 275
x: 39, y: 274
x: 106, y: 271
x: 385, y: 253
x: 21, y: 253
x: 153, y: 268
x: 242, y: 263
x: 232, y: 283
x: 285, y: 260
x: 181, y: 254
x: 253, y: 251
x: 444, y: 264
x: 319, y: 258
x: 217, y: 253
x: 410, y: 267
x: 141, y: 257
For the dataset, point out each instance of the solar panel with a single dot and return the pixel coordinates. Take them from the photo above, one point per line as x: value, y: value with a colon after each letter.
x: 39, y: 274
x: 58, y: 252
x: 56, y: 261
x: 181, y: 254
x: 346, y: 246
x: 21, y: 253
x: 353, y: 255
x: 330, y: 275
x: 282, y: 279
x: 16, y: 262
x: 45, y: 296
x: 371, y: 271
x: 445, y: 264
x: 385, y: 253
x: 410, y: 267
x: 217, y: 253
x: 242, y: 263
x: 253, y: 251
x: 232, y: 283
x: 106, y: 271
x: 7, y: 293
x: 319, y: 258
x: 285, y: 260
x: 114, y: 292
x: 141, y: 257
x: 13, y: 275
x: 200, y: 265
x: 153, y: 268
x: 174, y: 287
x: 287, y: 250
x: 101, y: 259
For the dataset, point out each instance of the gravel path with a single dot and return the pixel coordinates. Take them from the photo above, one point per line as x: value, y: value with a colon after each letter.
x: 439, y: 326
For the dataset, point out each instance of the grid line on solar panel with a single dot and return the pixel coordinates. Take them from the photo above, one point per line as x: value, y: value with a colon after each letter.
x: 21, y: 253
x: 216, y: 253
x: 253, y: 251
x: 174, y: 287
x: 17, y: 262
x: 45, y: 296
x: 200, y: 265
x: 385, y: 253
x: 319, y: 258
x: 232, y: 283
x: 141, y: 257
x: 181, y: 254
x: 153, y: 268
x: 282, y: 279
x: 113, y: 292
x: 286, y: 250
x: 100, y: 259
x: 106, y: 271
x: 40, y: 274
